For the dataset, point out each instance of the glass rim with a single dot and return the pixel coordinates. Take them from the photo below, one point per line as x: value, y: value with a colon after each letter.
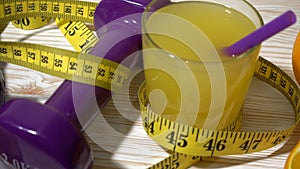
x: 147, y: 11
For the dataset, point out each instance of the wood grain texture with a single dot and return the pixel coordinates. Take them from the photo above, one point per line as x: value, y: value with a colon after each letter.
x: 116, y: 136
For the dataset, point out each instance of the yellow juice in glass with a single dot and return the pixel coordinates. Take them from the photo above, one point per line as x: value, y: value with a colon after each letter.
x: 181, y: 82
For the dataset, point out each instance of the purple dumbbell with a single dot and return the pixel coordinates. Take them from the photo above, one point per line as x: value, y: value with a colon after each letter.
x: 38, y: 136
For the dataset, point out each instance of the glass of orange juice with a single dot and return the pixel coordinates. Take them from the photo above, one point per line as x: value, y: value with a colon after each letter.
x: 188, y: 77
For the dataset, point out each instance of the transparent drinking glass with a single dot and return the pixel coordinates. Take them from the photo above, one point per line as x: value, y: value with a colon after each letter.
x: 188, y: 77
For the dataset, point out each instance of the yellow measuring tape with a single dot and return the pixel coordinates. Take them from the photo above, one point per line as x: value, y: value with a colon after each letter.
x: 55, y: 61
x: 31, y: 22
x: 189, y: 145
x: 70, y: 10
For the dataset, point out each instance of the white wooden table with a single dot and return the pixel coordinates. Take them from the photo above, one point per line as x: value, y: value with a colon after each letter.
x: 128, y: 146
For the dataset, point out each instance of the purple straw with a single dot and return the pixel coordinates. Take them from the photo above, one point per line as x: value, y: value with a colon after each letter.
x: 261, y: 34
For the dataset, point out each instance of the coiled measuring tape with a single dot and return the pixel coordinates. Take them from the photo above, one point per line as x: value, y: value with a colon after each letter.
x: 189, y: 145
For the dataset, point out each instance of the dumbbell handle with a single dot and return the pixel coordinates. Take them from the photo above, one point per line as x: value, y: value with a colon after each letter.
x: 111, y: 15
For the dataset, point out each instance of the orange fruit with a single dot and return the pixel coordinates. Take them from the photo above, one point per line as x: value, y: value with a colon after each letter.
x: 293, y: 159
x: 296, y: 58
